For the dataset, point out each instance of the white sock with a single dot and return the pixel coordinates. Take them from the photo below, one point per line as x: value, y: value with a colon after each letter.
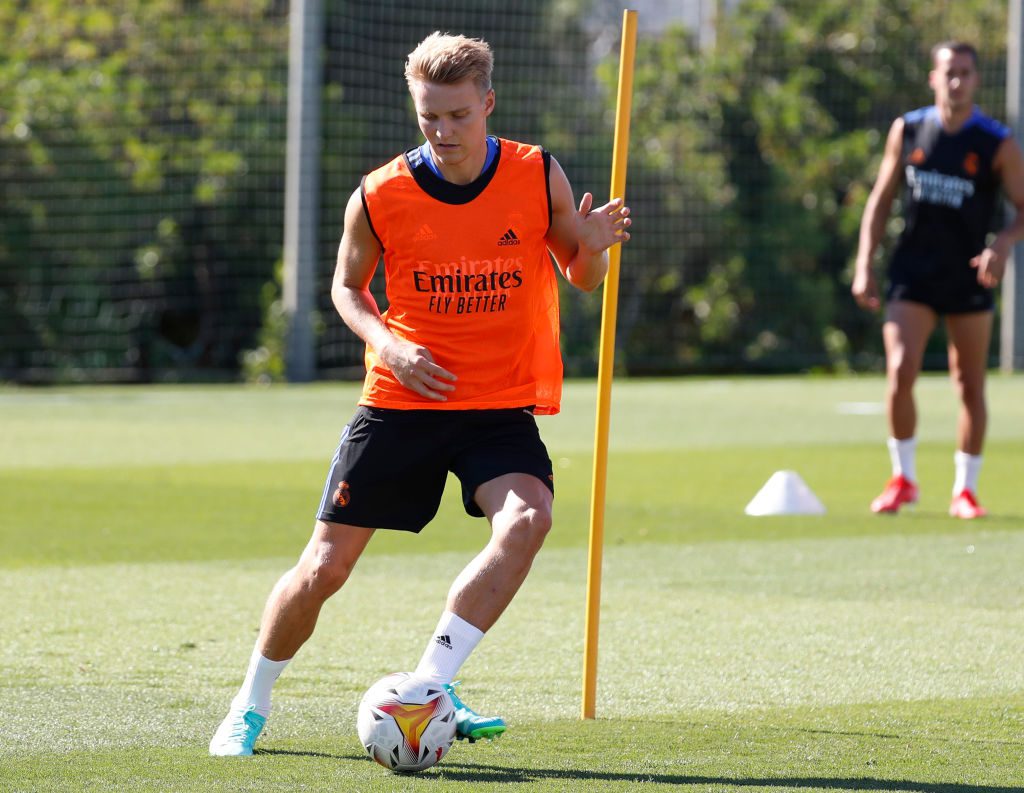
x: 259, y: 679
x: 902, y: 454
x: 966, y: 467
x: 452, y: 642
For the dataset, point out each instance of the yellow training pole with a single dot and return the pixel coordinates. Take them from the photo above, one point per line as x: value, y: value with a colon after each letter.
x: 606, y: 363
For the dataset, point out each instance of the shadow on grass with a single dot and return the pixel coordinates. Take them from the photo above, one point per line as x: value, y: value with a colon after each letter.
x: 457, y: 772
x: 321, y: 755
x: 474, y: 773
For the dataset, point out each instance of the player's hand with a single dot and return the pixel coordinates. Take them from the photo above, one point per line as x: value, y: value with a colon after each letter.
x: 413, y: 366
x: 865, y: 289
x: 991, y: 265
x: 601, y: 228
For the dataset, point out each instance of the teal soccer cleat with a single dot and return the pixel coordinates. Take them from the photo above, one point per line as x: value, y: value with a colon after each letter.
x: 237, y: 734
x: 470, y: 725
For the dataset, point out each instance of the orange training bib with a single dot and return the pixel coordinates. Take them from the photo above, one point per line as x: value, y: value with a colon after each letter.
x: 468, y: 276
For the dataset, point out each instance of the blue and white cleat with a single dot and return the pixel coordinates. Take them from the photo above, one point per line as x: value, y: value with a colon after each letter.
x: 237, y: 734
x: 470, y: 725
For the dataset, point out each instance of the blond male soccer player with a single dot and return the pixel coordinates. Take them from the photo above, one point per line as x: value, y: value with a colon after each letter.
x: 950, y: 160
x: 465, y: 355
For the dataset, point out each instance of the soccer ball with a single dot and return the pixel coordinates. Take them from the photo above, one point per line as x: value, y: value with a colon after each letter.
x: 406, y: 723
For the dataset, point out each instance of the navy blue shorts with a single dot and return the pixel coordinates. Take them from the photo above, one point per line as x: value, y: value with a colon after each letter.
x: 944, y: 289
x: 390, y: 468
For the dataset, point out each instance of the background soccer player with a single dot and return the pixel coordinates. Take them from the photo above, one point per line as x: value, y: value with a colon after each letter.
x: 951, y: 160
x: 465, y: 354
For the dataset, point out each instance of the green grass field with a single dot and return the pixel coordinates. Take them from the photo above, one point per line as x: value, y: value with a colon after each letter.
x: 142, y: 528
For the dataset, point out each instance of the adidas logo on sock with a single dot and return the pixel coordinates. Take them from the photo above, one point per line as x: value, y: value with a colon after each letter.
x: 444, y: 640
x: 509, y: 238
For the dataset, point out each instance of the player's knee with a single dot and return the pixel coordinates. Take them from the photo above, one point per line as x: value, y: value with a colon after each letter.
x: 901, y: 376
x: 324, y: 573
x: 524, y: 530
x: 971, y: 393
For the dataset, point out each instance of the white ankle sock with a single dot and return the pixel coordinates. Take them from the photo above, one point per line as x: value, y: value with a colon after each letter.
x: 902, y: 454
x: 452, y: 642
x: 966, y: 468
x: 259, y: 679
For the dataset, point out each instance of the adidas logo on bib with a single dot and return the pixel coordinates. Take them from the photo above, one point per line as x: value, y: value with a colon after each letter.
x: 509, y: 238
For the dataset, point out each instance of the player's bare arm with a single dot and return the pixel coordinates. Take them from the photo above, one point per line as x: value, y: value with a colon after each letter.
x: 358, y: 255
x: 991, y: 262
x: 876, y: 215
x: 579, y: 238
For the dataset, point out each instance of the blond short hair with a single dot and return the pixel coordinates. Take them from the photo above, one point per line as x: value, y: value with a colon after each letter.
x: 446, y: 59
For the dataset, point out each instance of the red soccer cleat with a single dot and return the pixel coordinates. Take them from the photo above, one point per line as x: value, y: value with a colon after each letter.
x: 966, y: 506
x: 898, y: 491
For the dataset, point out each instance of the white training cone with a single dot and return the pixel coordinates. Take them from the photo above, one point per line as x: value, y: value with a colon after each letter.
x: 785, y: 493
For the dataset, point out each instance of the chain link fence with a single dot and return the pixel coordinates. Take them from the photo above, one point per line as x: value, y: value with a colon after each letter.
x: 142, y: 170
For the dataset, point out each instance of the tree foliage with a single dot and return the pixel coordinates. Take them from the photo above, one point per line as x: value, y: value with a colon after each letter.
x: 132, y: 145
x: 142, y: 169
x: 762, y: 150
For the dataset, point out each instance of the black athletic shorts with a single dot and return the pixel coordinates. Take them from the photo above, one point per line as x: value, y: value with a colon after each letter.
x: 390, y: 468
x: 945, y: 290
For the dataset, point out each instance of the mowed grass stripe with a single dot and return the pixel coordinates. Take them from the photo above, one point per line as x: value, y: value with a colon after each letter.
x: 259, y: 510
x: 737, y: 626
x: 907, y: 746
x: 164, y: 425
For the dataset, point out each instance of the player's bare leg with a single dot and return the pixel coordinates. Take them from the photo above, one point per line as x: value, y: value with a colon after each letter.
x: 518, y: 507
x: 289, y: 618
x: 295, y: 602
x: 905, y: 332
x: 969, y: 338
